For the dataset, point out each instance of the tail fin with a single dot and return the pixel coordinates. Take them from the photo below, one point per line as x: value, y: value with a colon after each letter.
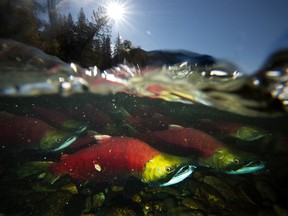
x: 37, y: 169
x: 43, y: 180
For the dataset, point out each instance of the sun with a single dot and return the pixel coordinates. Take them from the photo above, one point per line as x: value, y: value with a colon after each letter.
x: 115, y: 11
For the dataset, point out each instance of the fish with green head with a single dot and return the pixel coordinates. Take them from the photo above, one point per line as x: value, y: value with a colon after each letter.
x: 165, y: 169
x: 23, y: 132
x: 233, y: 161
x: 204, y: 149
x: 239, y: 131
x: 249, y: 133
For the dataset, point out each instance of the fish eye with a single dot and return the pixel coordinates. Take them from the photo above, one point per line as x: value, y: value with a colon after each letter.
x: 236, y: 160
x: 254, y: 132
x: 168, y: 169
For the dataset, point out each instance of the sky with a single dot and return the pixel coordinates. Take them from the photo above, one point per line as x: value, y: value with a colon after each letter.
x: 244, y: 32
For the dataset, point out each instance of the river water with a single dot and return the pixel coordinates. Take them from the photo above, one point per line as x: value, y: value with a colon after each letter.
x: 220, y: 106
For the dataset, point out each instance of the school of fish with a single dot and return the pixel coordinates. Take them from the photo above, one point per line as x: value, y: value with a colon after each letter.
x: 114, y: 144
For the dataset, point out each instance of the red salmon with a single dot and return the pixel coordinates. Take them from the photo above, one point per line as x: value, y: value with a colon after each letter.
x: 119, y: 157
x: 59, y: 120
x: 21, y: 132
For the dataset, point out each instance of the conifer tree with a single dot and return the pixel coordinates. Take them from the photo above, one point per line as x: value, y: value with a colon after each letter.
x: 106, y: 53
x: 83, y: 41
x: 66, y: 38
x: 18, y: 21
x: 118, y: 50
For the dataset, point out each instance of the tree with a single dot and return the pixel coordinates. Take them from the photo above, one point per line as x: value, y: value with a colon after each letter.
x: 127, y: 46
x: 52, y: 12
x: 83, y: 41
x: 137, y: 56
x: 66, y: 38
x: 118, y: 54
x: 88, y: 38
x: 18, y: 21
x: 106, y: 60
x: 122, y: 49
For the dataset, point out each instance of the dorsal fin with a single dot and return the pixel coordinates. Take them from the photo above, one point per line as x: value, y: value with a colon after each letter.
x: 175, y: 127
x: 102, y: 138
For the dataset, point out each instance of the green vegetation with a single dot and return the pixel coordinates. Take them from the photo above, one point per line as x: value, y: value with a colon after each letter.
x: 84, y: 41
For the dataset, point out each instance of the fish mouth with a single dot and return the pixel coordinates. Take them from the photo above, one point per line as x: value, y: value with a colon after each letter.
x: 250, y: 167
x: 259, y: 136
x: 71, y: 125
x: 81, y: 129
x: 181, y: 174
x: 66, y: 143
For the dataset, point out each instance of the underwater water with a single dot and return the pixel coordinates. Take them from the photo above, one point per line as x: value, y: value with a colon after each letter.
x: 187, y: 135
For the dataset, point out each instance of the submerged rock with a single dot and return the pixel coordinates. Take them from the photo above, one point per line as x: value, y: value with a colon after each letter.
x: 249, y: 193
x: 184, y: 211
x: 267, y: 191
x: 53, y: 204
x: 194, y: 203
x: 122, y: 209
x: 98, y: 200
x: 211, y: 196
x: 223, y: 188
x: 279, y: 210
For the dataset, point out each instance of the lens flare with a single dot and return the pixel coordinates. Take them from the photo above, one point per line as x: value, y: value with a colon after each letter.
x: 115, y: 11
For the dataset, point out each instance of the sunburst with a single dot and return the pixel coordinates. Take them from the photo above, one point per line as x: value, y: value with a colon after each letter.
x: 116, y: 11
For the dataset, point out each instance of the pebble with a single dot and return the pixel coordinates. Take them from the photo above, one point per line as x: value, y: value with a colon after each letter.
x: 98, y: 200
x: 137, y: 198
x: 194, y: 203
x: 249, y: 193
x: 211, y: 195
x: 182, y: 211
x: 53, y: 204
x: 267, y: 191
x: 121, y: 208
x: 279, y: 210
x: 223, y: 188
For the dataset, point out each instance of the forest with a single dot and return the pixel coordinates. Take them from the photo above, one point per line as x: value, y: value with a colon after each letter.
x: 85, y: 41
